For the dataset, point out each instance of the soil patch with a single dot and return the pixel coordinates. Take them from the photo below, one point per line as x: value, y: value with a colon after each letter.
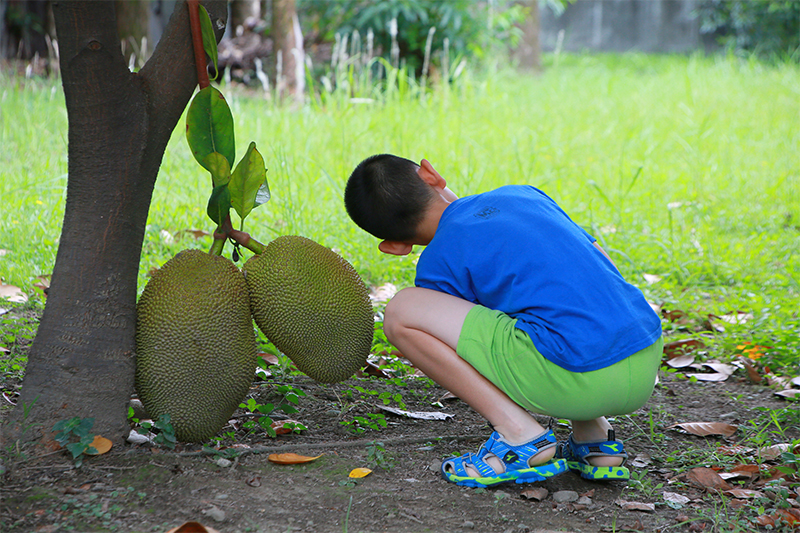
x: 148, y: 489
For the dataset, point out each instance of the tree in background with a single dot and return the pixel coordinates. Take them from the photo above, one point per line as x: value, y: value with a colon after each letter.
x: 770, y: 28
x: 82, y: 360
x: 287, y: 48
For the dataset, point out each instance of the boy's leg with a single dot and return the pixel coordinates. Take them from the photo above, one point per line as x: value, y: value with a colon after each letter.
x: 425, y: 326
x: 594, y: 431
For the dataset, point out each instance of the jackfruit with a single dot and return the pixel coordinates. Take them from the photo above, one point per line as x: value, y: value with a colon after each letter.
x: 313, y: 306
x: 195, y: 343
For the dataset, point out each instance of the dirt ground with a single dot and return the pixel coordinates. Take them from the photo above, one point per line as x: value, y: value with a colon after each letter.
x: 139, y: 488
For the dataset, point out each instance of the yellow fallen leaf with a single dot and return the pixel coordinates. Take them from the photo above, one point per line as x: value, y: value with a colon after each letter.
x: 101, y: 444
x: 290, y: 458
x: 360, y: 472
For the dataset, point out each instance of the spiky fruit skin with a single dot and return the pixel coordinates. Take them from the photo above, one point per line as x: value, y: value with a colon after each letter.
x: 195, y: 343
x: 313, y: 306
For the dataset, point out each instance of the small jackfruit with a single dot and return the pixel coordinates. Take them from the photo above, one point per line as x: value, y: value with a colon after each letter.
x: 313, y: 306
x: 195, y: 343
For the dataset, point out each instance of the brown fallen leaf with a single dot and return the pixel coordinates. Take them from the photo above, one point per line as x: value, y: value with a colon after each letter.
x: 101, y: 444
x: 770, y: 453
x: 12, y: 293
x: 752, y: 372
x: 291, y: 458
x: 682, y: 347
x: 279, y: 426
x: 765, y: 520
x: 707, y: 479
x: 744, y: 493
x: 703, y: 429
x: 538, y: 494
x: 788, y: 393
x: 192, y: 527
x: 790, y: 516
x: 271, y: 359
x: 637, y: 506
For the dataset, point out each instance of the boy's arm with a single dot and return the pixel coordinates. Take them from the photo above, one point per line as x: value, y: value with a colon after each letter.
x: 605, y: 254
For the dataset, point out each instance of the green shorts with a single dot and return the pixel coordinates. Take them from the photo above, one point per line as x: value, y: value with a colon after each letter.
x: 506, y: 356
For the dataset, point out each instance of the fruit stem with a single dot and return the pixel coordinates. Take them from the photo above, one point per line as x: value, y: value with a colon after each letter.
x: 226, y: 231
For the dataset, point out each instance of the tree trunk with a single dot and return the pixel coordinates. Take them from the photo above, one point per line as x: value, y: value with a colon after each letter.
x: 241, y: 11
x: 82, y: 360
x: 529, y: 51
x: 288, y: 48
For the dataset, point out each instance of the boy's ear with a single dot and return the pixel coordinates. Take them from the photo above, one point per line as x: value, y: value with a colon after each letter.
x: 429, y: 175
x: 395, y: 248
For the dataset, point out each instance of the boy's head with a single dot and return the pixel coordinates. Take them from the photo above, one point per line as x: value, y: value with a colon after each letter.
x: 386, y: 197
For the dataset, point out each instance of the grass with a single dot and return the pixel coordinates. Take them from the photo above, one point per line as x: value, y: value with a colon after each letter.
x: 683, y: 167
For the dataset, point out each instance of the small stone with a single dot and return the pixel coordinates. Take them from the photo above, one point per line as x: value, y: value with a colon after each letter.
x: 222, y: 462
x: 215, y: 513
x: 468, y: 524
x: 584, y: 500
x: 565, y: 496
x: 221, y: 497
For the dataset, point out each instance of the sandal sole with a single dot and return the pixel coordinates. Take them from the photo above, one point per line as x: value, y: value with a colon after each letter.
x: 529, y: 475
x: 599, y: 472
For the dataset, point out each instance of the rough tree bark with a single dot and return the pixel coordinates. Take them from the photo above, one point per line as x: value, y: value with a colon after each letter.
x: 82, y: 360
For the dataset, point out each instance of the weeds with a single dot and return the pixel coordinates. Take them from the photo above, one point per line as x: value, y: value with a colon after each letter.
x: 74, y: 435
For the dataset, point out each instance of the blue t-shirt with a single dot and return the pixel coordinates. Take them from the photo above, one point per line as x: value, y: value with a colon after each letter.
x: 515, y: 250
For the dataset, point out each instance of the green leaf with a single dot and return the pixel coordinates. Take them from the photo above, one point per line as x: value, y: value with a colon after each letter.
x: 219, y: 204
x: 209, y: 126
x: 248, y: 183
x: 76, y: 448
x: 220, y: 170
x: 209, y: 39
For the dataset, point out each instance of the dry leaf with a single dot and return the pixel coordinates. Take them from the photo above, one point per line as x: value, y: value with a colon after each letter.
x: 12, y: 293
x: 420, y: 415
x: 269, y: 358
x: 752, y: 372
x: 704, y: 429
x: 538, y: 494
x: 796, y: 381
x: 192, y: 527
x: 709, y: 377
x: 773, y: 452
x: 651, y: 278
x: 359, y: 473
x: 637, y: 506
x: 278, y: 426
x: 196, y: 233
x: 101, y: 444
x: 681, y: 361
x: 744, y: 494
x: 737, y: 317
x: 721, y: 368
x: 675, y: 498
x: 707, y: 479
x: 788, y: 393
x: 734, y: 449
x: 291, y: 458
x: 790, y: 516
x: 677, y: 348
x: 765, y: 520
x: 253, y: 481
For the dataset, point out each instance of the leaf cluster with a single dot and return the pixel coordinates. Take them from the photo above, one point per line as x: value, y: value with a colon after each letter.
x: 74, y: 435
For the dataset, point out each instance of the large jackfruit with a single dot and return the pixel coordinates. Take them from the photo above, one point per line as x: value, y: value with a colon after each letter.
x: 313, y: 306
x: 195, y: 343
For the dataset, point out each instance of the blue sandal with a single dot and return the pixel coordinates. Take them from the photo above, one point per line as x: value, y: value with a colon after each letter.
x: 514, y: 458
x: 577, y: 456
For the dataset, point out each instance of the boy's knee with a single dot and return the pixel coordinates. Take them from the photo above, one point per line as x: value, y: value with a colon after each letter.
x: 395, y: 310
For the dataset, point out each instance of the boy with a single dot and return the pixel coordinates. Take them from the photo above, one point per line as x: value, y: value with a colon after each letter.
x: 515, y: 309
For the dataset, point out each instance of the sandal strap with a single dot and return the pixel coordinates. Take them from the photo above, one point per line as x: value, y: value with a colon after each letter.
x: 581, y: 452
x: 516, y: 457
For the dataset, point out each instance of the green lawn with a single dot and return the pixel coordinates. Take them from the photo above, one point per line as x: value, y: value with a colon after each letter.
x: 686, y: 168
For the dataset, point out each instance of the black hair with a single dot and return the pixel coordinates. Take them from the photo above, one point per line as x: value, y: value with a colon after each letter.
x: 386, y: 197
